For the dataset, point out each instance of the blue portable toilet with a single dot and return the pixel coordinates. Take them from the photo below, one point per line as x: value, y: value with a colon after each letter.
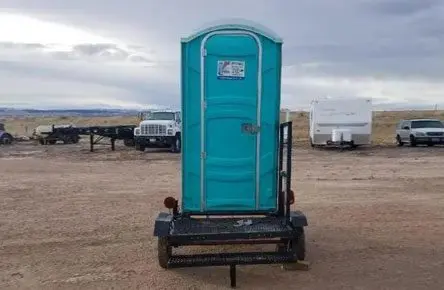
x: 231, y: 90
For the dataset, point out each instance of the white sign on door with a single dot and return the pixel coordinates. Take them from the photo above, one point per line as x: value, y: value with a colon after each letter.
x: 230, y: 70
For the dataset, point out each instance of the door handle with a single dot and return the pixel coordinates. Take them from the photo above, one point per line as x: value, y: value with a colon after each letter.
x: 250, y: 128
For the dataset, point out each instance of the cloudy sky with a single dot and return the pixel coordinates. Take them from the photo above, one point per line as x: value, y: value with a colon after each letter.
x: 97, y: 53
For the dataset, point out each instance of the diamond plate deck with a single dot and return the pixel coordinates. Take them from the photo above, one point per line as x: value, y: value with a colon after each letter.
x: 221, y: 226
x: 224, y: 259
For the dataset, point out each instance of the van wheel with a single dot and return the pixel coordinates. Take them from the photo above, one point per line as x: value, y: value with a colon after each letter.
x: 412, y: 141
x: 398, y: 141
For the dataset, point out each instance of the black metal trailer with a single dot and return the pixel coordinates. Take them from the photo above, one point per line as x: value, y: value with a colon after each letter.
x: 113, y: 133
x: 96, y: 135
x: 68, y: 135
x: 284, y: 228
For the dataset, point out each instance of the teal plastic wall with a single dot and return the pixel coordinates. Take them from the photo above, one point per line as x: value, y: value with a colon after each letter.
x: 230, y: 87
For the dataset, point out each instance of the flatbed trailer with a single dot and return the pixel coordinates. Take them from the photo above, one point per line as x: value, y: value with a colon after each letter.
x: 113, y: 133
x: 96, y: 135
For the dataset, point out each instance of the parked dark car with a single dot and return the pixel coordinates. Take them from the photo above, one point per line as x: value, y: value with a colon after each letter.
x: 5, y: 137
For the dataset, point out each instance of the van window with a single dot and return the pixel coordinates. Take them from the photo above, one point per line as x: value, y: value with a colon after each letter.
x: 427, y: 124
x: 405, y: 124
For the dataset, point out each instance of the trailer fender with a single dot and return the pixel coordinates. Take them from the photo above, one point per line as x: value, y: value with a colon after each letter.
x: 162, y: 224
x: 298, y: 219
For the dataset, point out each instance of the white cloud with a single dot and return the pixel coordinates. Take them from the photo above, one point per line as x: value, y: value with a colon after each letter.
x: 85, y: 53
x: 18, y: 28
x: 61, y: 66
x: 399, y: 92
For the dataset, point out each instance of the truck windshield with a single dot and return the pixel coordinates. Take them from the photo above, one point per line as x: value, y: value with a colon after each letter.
x: 160, y: 116
x: 427, y: 124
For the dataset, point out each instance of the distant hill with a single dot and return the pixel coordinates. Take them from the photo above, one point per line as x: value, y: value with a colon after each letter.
x: 110, y: 112
x: 8, y: 112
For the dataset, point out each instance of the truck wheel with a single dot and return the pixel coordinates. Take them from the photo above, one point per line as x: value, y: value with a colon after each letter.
x: 42, y: 142
x: 412, y: 141
x: 164, y: 251
x: 52, y: 142
x: 398, y: 141
x: 140, y: 147
x: 176, y: 147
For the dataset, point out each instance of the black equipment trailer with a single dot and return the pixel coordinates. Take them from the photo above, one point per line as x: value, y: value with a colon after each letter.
x: 284, y: 228
x: 119, y: 132
x: 96, y: 135
x: 68, y: 135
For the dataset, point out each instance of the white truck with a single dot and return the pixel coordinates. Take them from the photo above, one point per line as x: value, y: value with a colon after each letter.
x: 159, y: 129
x: 340, y: 122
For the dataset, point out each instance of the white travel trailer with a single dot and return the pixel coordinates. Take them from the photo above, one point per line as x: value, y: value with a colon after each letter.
x: 341, y: 121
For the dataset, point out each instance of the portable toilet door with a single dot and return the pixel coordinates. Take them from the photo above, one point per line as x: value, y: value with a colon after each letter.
x: 230, y: 107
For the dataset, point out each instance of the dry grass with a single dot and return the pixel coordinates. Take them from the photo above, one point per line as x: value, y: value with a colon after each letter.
x: 71, y: 219
x: 383, y: 123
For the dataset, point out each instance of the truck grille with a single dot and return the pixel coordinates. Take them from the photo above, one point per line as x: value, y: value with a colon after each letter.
x: 435, y: 133
x: 153, y: 129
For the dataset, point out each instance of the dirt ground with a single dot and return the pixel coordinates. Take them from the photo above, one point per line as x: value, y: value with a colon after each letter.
x: 71, y: 219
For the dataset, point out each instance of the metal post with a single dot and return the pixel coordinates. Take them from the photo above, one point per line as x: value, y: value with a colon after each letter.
x: 113, y: 144
x: 281, y: 162
x: 91, y: 141
x: 233, y: 276
x: 288, y: 175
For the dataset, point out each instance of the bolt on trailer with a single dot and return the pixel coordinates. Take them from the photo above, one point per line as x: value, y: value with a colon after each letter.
x: 236, y: 179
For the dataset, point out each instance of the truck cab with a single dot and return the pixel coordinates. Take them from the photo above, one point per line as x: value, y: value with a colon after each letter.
x: 159, y: 129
